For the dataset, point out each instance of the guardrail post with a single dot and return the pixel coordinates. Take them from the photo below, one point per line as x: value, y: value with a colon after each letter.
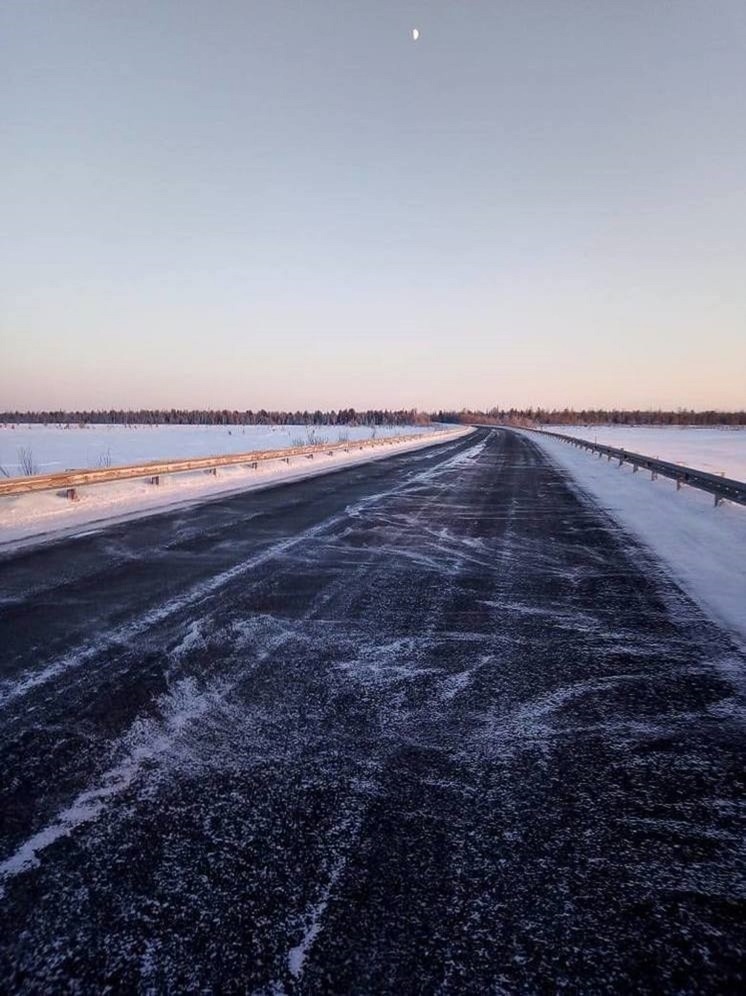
x: 716, y: 484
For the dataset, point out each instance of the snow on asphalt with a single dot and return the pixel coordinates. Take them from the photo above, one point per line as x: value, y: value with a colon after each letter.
x: 152, y: 738
x: 434, y: 742
x: 24, y: 517
x: 703, y: 547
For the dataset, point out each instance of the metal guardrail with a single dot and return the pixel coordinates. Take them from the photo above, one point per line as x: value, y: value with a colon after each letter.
x: 69, y: 480
x: 722, y: 488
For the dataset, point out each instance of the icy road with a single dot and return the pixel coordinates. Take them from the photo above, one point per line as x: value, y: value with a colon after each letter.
x: 428, y: 725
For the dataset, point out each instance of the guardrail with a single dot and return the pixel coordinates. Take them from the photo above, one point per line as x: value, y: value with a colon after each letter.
x: 722, y: 488
x: 69, y: 480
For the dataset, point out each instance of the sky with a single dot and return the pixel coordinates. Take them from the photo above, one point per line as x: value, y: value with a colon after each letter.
x: 291, y: 203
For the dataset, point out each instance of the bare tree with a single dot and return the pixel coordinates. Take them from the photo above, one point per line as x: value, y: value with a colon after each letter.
x: 26, y: 461
x: 105, y: 459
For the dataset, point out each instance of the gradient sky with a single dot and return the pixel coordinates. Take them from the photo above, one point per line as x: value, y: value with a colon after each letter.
x: 289, y: 203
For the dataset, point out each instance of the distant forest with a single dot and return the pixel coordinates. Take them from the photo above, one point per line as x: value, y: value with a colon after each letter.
x: 379, y: 416
x: 184, y: 416
x: 591, y: 416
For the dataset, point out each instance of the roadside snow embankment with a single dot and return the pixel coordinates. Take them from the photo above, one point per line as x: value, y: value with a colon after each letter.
x: 44, y: 514
x: 48, y: 449
x: 717, y: 450
x: 703, y: 547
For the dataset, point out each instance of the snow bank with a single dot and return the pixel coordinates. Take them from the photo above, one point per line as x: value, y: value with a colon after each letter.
x: 46, y: 515
x: 703, y: 547
x: 718, y: 450
x: 56, y: 448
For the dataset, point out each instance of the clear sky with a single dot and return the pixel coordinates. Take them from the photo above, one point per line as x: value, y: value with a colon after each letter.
x: 283, y: 203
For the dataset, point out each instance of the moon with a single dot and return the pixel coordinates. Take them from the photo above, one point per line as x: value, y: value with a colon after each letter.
x: 415, y: 34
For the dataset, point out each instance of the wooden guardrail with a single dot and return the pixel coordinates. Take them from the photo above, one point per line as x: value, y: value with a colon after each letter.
x: 69, y: 480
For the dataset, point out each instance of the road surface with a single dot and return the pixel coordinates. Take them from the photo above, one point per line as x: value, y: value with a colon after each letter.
x: 427, y: 725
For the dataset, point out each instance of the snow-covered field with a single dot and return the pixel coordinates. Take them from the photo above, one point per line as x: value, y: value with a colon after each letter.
x: 27, y: 517
x: 717, y: 450
x: 703, y: 547
x: 52, y: 448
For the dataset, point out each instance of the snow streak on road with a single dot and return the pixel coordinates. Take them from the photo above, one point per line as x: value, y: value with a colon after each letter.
x: 429, y: 725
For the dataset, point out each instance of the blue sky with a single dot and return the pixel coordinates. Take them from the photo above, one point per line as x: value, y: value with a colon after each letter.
x: 292, y: 204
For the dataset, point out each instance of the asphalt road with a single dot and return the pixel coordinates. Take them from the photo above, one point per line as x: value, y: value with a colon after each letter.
x: 427, y: 725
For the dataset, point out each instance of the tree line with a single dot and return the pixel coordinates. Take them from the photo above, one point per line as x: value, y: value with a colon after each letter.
x: 380, y: 416
x: 592, y: 416
x: 194, y: 416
